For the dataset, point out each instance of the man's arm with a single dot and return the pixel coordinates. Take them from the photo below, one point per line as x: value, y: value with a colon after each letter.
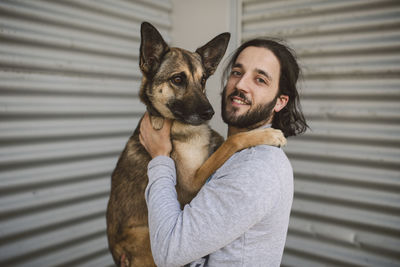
x: 222, y: 211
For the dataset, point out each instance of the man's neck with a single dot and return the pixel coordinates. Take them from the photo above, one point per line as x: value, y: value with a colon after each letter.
x: 234, y: 130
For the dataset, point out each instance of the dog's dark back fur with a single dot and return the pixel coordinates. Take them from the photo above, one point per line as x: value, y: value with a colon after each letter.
x: 173, y: 86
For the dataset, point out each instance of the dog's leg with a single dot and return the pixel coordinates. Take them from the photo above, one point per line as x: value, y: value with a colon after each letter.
x: 234, y: 143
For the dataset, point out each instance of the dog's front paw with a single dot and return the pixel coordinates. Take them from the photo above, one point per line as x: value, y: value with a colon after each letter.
x: 275, y: 137
x: 157, y: 122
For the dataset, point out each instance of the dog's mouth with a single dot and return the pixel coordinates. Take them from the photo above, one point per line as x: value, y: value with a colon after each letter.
x: 192, y: 119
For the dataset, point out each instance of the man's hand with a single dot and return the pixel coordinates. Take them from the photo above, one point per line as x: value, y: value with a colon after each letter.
x: 156, y: 142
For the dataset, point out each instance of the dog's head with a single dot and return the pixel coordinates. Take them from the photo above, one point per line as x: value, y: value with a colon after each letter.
x: 173, y: 84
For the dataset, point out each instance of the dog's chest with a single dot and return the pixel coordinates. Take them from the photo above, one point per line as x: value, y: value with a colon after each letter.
x: 190, y: 152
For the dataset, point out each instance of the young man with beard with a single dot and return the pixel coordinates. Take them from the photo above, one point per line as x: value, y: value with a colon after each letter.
x: 241, y: 216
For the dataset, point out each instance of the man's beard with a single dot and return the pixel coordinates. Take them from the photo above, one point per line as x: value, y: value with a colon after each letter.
x: 253, y: 118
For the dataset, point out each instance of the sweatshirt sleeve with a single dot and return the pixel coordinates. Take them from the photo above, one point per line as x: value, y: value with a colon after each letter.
x: 226, y: 207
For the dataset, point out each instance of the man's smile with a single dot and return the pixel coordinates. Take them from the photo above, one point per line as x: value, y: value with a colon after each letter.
x: 239, y: 99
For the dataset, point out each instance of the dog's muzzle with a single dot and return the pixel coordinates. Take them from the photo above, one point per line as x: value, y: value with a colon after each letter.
x: 194, y: 114
x: 207, y: 114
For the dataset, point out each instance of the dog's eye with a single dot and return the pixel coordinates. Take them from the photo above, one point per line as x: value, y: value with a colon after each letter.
x: 177, y: 79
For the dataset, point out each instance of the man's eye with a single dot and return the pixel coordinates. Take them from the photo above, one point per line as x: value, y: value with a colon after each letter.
x: 260, y: 80
x: 235, y: 73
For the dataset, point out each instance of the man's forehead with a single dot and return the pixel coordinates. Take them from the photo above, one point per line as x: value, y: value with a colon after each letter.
x: 259, y: 59
x: 261, y: 54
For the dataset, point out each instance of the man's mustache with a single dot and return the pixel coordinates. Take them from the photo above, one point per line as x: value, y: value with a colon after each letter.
x: 240, y: 94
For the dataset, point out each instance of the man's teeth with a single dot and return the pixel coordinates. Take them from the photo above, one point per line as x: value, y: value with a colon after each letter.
x: 239, y: 101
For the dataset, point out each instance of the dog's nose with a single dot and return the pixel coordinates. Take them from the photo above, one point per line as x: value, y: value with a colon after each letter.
x: 207, y: 114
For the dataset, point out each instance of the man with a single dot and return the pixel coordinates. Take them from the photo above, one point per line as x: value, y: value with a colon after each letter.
x: 240, y: 217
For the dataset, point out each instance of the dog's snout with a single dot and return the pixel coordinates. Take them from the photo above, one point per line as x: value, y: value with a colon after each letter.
x: 207, y: 113
x: 194, y: 113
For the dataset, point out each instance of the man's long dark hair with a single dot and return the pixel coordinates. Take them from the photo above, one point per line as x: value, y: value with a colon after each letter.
x: 290, y: 120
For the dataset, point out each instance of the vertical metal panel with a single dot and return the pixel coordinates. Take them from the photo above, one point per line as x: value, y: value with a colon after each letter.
x: 346, y: 210
x: 69, y: 82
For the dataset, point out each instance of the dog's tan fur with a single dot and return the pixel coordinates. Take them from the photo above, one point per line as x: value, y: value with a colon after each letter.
x: 192, y: 139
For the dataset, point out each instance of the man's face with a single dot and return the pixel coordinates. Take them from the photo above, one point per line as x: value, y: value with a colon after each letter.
x: 250, y: 96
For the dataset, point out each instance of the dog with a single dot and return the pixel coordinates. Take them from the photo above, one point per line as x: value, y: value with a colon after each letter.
x: 173, y: 87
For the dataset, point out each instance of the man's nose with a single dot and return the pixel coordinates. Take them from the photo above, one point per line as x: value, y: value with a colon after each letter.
x: 243, y: 84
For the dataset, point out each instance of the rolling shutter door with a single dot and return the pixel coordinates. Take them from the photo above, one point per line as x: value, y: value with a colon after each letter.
x: 69, y: 82
x: 346, y: 210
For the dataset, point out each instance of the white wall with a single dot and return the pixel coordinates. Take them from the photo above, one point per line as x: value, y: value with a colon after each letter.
x: 194, y: 23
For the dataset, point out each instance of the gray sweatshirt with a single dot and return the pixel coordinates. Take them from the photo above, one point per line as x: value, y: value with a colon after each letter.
x: 240, y: 216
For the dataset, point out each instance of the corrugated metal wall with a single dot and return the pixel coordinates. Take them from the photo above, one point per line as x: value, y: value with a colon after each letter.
x: 346, y: 210
x: 69, y: 81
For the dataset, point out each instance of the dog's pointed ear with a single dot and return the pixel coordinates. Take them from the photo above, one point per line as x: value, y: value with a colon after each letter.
x: 152, y: 48
x: 212, y: 52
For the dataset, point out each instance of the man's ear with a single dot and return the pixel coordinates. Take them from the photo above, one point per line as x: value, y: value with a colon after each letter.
x: 152, y: 48
x: 281, y: 102
x: 212, y: 52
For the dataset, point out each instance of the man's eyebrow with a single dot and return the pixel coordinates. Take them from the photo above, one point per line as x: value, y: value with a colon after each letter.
x: 259, y: 71
x: 264, y: 73
x: 237, y: 65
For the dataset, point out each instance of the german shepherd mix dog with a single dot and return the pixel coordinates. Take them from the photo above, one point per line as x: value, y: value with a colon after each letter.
x: 173, y: 86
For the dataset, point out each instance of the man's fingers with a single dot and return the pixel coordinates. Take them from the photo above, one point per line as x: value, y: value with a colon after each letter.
x: 167, y: 125
x: 145, y: 122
